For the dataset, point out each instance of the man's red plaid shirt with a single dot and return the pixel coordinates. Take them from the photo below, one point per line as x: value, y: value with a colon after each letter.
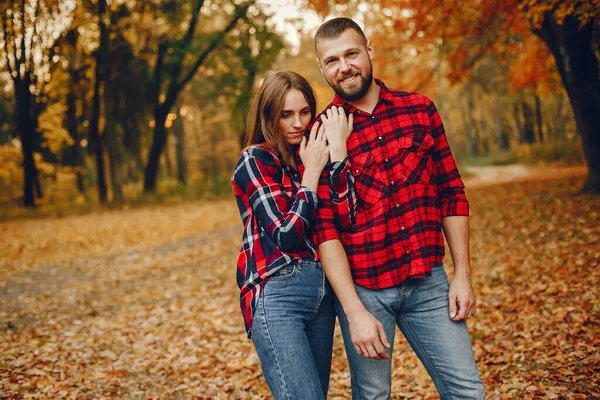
x: 406, y: 181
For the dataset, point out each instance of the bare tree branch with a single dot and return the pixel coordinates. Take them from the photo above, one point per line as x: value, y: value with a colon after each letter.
x: 189, y: 35
x: 240, y: 12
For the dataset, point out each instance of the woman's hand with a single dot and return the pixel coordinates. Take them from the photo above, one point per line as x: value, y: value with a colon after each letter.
x: 314, y: 154
x: 337, y: 130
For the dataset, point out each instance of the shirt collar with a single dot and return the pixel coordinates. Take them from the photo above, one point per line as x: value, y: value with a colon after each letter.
x: 385, y: 96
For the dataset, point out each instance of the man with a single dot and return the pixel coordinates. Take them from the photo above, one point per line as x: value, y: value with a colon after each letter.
x: 387, y: 270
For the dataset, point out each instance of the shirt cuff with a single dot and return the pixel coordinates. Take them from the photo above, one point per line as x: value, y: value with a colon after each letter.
x: 325, y: 233
x: 310, y: 196
x: 455, y: 207
x: 336, y: 168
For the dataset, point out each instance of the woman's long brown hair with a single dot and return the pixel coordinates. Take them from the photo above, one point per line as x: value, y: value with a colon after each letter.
x: 262, y: 123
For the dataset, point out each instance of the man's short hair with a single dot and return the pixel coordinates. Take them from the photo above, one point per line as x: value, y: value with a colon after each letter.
x: 335, y: 27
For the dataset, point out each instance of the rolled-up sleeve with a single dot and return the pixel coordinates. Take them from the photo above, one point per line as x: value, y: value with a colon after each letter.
x: 451, y: 189
x: 324, y: 228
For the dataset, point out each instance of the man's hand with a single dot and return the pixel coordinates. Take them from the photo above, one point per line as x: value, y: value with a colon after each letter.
x: 368, y: 335
x: 462, y: 298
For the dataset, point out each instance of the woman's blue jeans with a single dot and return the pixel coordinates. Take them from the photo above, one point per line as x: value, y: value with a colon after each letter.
x: 292, y: 331
x: 420, y: 309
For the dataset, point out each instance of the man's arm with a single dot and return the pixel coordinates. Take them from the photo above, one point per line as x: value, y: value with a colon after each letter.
x: 366, y: 331
x: 454, y: 208
x: 461, y: 295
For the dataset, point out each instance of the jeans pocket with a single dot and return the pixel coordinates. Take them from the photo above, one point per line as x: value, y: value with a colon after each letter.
x: 285, y: 272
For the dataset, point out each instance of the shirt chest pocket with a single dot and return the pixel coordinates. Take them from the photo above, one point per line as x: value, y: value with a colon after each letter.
x: 414, y: 159
x: 369, y: 182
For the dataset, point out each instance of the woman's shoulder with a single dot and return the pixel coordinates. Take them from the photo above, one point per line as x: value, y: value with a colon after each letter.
x: 261, y: 152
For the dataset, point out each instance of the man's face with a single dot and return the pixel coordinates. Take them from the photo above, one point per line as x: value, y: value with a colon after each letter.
x: 346, y: 64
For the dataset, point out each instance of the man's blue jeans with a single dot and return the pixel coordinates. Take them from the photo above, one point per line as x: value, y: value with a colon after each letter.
x: 292, y: 331
x: 420, y: 309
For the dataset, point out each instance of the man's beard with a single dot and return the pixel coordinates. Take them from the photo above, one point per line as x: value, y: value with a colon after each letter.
x: 358, y: 93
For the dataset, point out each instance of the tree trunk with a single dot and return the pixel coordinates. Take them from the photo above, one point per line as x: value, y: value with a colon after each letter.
x: 179, y: 131
x: 132, y: 133
x: 111, y: 105
x: 113, y: 158
x: 477, y: 134
x: 76, y: 159
x: 75, y: 152
x: 26, y: 134
x: 95, y: 138
x: 560, y: 132
x: 178, y: 79
x: 528, y: 124
x: 472, y: 149
x: 158, y: 144
x: 578, y: 68
x: 538, y: 119
x: 167, y: 158
x: 20, y: 69
x: 518, y: 122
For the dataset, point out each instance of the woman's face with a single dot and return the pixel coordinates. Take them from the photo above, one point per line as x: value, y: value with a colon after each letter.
x: 294, y: 118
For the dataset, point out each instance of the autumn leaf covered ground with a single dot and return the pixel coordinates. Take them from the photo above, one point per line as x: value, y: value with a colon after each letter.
x: 142, y: 304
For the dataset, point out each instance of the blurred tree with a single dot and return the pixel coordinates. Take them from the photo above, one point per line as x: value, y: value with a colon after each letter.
x: 179, y: 131
x: 75, y: 69
x: 97, y: 140
x: 127, y: 103
x: 31, y: 31
x: 251, y: 50
x: 179, y: 57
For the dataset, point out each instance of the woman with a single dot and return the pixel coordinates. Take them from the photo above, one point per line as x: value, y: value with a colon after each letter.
x: 286, y: 300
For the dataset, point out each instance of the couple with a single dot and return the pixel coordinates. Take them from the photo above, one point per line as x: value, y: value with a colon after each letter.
x: 371, y: 188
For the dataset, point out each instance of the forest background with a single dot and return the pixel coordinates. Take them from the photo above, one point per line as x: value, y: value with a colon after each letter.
x: 121, y: 122
x: 113, y: 102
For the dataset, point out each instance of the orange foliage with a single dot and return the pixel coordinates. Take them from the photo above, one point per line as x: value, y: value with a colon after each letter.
x: 461, y: 33
x: 533, y: 68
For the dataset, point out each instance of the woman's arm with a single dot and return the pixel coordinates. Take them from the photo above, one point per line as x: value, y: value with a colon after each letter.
x: 338, y: 129
x: 285, y: 220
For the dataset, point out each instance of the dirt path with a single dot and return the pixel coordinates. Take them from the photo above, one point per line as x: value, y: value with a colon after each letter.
x: 499, y: 174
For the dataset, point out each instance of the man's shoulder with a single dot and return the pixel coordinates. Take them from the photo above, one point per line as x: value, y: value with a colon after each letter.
x: 327, y: 107
x: 409, y: 97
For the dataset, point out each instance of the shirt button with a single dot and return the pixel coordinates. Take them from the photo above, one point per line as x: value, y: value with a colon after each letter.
x: 380, y: 138
x: 356, y: 171
x: 372, y: 117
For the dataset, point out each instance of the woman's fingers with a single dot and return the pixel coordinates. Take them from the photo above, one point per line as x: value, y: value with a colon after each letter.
x: 314, y: 131
x: 320, y: 134
x: 303, y: 144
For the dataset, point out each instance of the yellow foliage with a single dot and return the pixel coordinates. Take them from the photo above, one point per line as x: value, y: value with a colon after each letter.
x: 45, y: 168
x: 10, y: 160
x: 51, y: 127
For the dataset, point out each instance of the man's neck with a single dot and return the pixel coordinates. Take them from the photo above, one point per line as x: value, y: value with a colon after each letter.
x: 368, y: 102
